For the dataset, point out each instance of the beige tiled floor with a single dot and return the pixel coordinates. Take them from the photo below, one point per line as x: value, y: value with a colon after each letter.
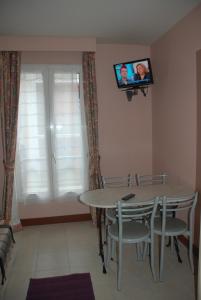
x: 60, y: 249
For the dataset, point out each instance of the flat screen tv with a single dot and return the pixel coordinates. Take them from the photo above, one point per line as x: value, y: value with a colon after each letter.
x: 136, y: 73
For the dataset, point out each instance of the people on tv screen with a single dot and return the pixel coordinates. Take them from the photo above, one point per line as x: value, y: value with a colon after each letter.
x: 141, y: 72
x: 124, y: 80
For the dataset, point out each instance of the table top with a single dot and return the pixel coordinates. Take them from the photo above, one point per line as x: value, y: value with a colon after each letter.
x: 108, y: 197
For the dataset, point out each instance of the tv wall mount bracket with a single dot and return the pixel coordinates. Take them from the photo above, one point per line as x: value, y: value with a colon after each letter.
x: 134, y: 91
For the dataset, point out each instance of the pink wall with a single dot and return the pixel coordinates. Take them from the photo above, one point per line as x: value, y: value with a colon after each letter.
x: 37, y: 43
x: 174, y: 99
x: 125, y: 128
x: 51, y: 57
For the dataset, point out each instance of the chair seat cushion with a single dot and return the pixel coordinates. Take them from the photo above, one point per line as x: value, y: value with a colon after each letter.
x: 173, y: 226
x: 132, y: 231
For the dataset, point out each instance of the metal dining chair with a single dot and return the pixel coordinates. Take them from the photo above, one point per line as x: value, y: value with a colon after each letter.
x: 170, y: 225
x: 143, y: 180
x: 113, y: 182
x: 117, y: 181
x: 151, y: 179
x: 132, y: 232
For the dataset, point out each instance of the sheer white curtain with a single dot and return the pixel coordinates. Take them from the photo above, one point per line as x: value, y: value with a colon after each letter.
x: 51, y: 158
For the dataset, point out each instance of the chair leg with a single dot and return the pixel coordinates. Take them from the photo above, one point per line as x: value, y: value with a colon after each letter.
x: 106, y: 224
x: 113, y: 249
x: 138, y: 251
x: 162, y: 257
x: 106, y: 231
x: 191, y: 253
x: 119, y: 271
x: 108, y: 250
x: 144, y: 251
x: 152, y: 260
x: 141, y: 250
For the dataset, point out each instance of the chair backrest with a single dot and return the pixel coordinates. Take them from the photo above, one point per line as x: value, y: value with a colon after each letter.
x: 118, y: 181
x: 133, y: 180
x: 172, y: 205
x: 134, y: 211
x: 143, y: 180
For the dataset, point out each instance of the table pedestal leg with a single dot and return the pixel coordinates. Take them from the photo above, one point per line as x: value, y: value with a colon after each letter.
x: 99, y: 212
x: 176, y: 248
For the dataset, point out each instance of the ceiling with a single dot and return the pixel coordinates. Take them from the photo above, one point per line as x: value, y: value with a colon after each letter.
x: 110, y: 21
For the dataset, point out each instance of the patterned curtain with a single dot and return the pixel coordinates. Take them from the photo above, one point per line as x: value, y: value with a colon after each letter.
x: 9, y: 97
x: 91, y: 112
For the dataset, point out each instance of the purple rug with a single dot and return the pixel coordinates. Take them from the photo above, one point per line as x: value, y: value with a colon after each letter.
x: 68, y: 287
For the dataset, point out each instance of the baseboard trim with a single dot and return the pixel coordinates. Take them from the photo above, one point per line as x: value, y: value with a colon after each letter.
x: 184, y: 241
x: 55, y: 220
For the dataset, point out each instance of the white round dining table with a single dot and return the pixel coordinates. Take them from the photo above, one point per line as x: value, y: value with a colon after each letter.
x: 108, y: 197
x: 102, y: 199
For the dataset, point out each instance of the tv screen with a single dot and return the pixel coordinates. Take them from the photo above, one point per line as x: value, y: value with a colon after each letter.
x: 133, y: 73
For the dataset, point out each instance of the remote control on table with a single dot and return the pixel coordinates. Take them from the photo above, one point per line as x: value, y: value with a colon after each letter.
x: 127, y: 197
